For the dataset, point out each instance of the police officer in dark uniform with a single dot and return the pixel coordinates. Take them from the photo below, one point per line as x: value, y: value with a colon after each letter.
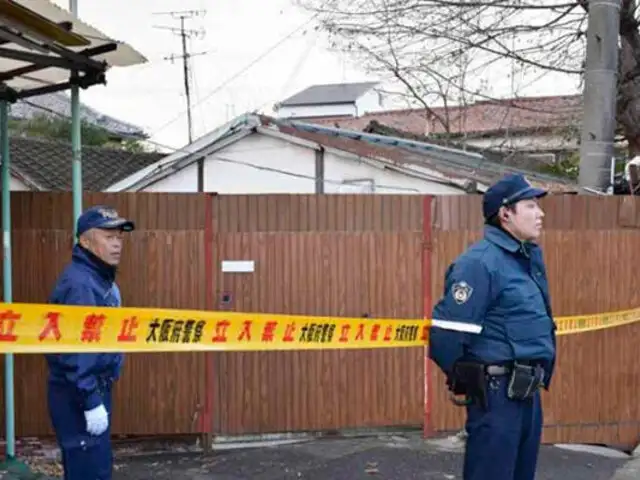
x: 493, y: 335
x: 80, y: 384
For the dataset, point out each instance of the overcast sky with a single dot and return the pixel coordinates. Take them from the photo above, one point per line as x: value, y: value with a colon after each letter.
x: 236, y: 33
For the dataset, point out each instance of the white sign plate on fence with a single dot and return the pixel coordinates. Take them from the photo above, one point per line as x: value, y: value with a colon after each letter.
x: 238, y: 266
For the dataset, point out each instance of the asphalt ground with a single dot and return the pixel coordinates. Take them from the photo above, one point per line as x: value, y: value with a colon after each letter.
x: 400, y: 457
x: 391, y: 458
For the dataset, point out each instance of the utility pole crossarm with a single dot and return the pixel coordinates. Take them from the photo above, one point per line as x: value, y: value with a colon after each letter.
x: 173, y: 57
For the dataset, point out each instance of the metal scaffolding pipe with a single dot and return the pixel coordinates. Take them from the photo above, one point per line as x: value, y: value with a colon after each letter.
x: 76, y: 141
x: 7, y: 278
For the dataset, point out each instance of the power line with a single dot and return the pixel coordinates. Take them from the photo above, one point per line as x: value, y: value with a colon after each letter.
x: 289, y: 173
x: 223, y: 159
x: 230, y: 79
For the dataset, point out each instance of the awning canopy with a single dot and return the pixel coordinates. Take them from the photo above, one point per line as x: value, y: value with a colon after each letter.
x: 44, y: 49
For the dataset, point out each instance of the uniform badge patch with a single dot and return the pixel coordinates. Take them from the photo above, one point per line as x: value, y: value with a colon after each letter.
x: 461, y: 292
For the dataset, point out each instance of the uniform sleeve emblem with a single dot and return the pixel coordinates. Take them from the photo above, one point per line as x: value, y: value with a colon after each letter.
x: 461, y: 292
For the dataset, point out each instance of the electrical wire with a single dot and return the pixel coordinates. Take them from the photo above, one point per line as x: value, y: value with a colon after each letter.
x: 246, y: 164
x: 238, y: 162
x: 230, y: 79
x: 236, y: 75
x: 220, y: 158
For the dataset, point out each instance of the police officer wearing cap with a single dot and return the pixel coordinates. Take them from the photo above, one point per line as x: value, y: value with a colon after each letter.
x: 493, y: 335
x: 79, y: 384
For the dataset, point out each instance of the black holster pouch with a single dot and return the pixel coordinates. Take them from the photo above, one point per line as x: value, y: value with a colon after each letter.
x: 524, y: 381
x: 469, y: 379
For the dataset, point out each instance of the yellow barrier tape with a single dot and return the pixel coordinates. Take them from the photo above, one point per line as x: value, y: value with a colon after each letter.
x: 38, y: 328
x: 599, y: 321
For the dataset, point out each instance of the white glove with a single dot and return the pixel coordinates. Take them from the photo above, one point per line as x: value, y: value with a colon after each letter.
x: 97, y: 420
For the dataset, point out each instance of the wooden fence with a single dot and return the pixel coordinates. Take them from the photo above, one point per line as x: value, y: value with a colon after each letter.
x: 345, y: 255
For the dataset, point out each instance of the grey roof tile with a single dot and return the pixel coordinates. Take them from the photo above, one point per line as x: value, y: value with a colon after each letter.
x: 48, y: 163
x: 329, y: 94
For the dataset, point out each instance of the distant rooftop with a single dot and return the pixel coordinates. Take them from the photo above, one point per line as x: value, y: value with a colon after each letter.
x: 57, y: 105
x: 329, y: 94
x: 524, y: 114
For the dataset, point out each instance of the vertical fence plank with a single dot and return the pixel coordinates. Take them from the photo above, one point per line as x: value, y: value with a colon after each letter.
x: 427, y: 272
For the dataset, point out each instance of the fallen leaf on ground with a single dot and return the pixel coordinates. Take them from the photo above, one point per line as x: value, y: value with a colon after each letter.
x: 45, y: 467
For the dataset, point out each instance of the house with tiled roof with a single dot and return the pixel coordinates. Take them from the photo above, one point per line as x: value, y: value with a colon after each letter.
x: 58, y: 105
x: 546, y: 127
x: 39, y: 163
x: 45, y: 165
x: 255, y: 154
x: 333, y: 99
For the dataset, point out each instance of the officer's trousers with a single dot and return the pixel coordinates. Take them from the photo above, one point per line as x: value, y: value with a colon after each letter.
x: 84, y: 456
x: 503, y: 441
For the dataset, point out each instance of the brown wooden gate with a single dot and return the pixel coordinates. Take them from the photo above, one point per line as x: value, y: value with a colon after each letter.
x: 318, y: 255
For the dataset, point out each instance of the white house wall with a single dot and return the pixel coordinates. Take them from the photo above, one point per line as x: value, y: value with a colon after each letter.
x: 263, y: 164
x: 16, y: 185
x: 370, y: 102
x: 182, y: 181
x: 255, y: 164
x: 347, y: 175
x: 317, y: 111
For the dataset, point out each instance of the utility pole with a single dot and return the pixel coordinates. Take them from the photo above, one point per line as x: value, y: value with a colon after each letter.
x: 600, y: 92
x: 185, y: 33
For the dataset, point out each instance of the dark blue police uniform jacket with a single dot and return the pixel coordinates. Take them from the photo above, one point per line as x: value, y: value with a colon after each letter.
x: 495, y: 307
x: 89, y: 281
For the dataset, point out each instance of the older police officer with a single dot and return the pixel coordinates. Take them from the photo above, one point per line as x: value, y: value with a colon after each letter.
x: 79, y: 393
x: 494, y: 337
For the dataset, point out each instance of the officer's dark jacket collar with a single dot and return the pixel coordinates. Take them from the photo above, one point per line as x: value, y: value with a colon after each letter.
x: 507, y: 241
x: 84, y: 257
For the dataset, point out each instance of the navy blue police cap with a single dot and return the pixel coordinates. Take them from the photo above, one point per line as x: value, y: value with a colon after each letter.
x: 103, y: 217
x: 508, y: 190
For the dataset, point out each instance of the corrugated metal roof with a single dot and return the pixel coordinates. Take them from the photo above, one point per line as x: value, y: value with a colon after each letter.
x: 122, y: 56
x: 451, y: 163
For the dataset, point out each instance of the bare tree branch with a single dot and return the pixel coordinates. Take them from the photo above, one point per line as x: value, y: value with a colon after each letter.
x: 420, y: 43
